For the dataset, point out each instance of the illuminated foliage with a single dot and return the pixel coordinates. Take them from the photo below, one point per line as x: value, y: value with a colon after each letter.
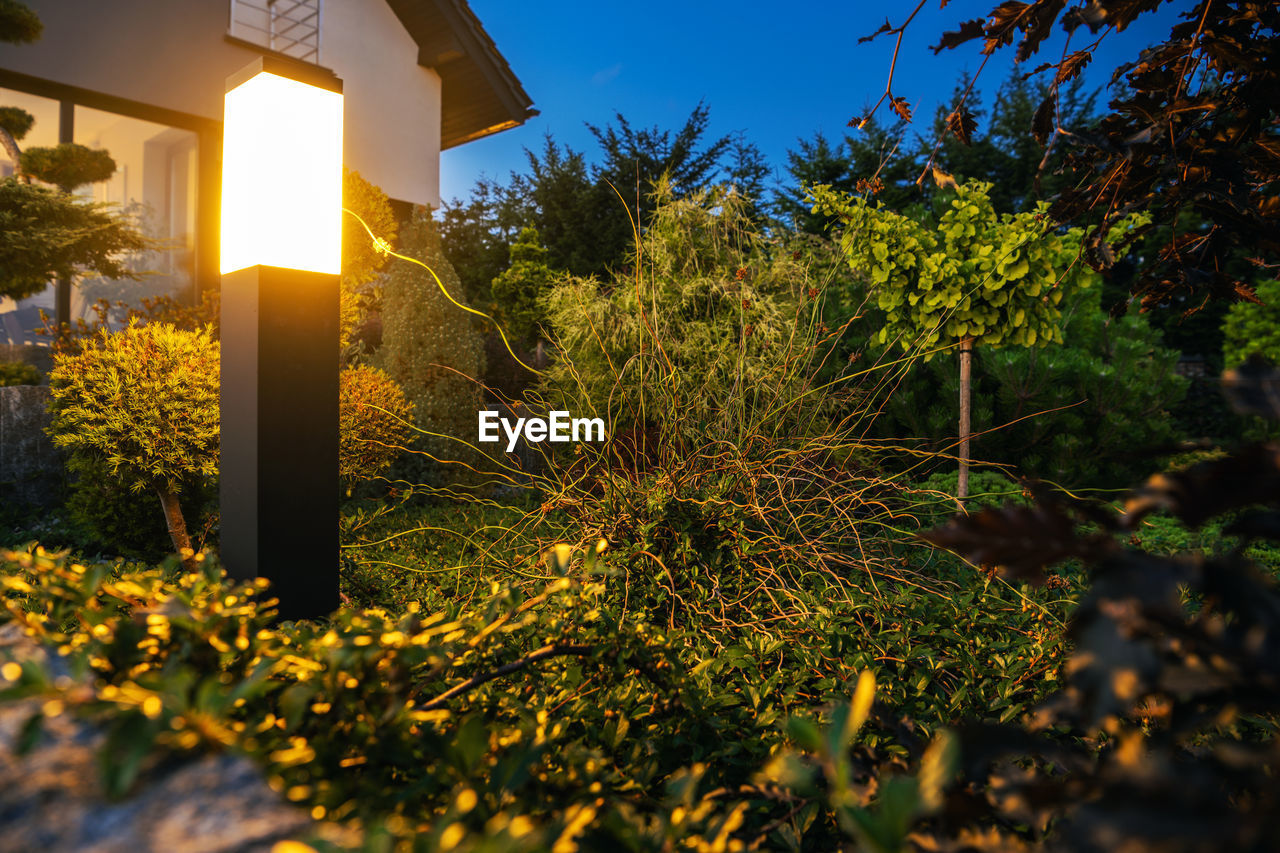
x: 141, y: 405
x: 972, y: 279
x: 366, y: 206
x: 997, y: 280
x: 429, y: 345
x: 1254, y: 329
x: 374, y: 423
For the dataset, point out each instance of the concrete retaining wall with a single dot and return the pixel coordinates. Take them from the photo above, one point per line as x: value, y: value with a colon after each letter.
x: 31, y: 469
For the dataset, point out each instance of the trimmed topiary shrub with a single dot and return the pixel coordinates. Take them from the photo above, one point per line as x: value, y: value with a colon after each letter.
x: 432, y: 350
x: 141, y: 406
x: 374, y: 423
x: 361, y: 259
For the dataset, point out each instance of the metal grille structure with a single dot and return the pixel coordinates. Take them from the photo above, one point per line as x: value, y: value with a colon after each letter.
x: 291, y: 27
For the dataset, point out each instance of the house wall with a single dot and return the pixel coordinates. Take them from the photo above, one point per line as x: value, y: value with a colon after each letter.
x: 392, y: 104
x: 176, y: 55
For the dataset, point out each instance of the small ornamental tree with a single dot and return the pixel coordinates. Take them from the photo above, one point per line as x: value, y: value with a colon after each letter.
x: 374, y: 423
x: 141, y: 404
x: 48, y: 234
x: 973, y: 278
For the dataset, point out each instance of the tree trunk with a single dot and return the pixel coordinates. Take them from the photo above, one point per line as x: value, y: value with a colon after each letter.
x: 177, y: 527
x: 966, y: 370
x: 15, y: 154
x: 62, y: 307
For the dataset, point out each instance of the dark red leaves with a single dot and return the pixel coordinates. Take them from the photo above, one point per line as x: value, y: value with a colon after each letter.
x: 1042, y: 123
x: 1210, y: 488
x: 961, y: 124
x: 1020, y: 541
x: 884, y: 28
x: 901, y: 107
x: 968, y: 31
x: 1253, y: 388
x: 1071, y: 67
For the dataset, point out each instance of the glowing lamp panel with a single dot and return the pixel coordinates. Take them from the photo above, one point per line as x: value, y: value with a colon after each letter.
x: 282, y: 176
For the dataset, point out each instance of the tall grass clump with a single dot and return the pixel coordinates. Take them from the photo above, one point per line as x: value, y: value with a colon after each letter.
x: 733, y: 480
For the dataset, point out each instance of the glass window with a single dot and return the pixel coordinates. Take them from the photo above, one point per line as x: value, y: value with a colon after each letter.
x: 19, y: 319
x: 154, y: 185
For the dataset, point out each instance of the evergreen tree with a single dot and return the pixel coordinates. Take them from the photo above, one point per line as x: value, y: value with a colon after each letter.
x: 746, y: 172
x: 520, y: 290
x: 873, y: 160
x: 475, y: 234
x: 578, y: 217
x: 1253, y: 329
x: 814, y: 162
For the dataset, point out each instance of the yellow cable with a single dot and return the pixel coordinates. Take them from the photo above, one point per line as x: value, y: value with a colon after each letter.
x: 384, y: 247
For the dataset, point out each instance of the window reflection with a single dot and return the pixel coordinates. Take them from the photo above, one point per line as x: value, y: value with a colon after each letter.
x: 155, y: 184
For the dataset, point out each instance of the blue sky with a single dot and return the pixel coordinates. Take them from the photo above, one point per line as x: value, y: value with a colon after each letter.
x: 775, y: 71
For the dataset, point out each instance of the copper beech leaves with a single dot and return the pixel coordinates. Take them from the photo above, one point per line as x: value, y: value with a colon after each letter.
x: 1021, y: 542
x: 961, y: 124
x: 1210, y: 488
x: 1071, y: 67
x: 884, y: 28
x: 1005, y: 18
x: 968, y: 31
x: 1191, y: 136
x: 1042, y: 123
x: 1253, y: 388
x: 942, y: 179
x: 901, y: 107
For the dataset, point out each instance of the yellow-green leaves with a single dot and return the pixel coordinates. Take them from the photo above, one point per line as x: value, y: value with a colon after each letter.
x: 971, y: 274
x: 143, y: 401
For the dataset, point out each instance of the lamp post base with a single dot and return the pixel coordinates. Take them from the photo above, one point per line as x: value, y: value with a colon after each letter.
x: 278, y: 464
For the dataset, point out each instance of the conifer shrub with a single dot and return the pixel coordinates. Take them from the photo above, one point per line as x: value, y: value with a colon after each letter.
x: 141, y: 406
x: 374, y: 423
x: 18, y: 373
x: 1253, y: 329
x: 432, y: 350
x: 519, y: 291
x: 367, y: 206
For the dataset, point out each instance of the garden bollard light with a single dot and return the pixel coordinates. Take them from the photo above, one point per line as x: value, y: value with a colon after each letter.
x: 281, y: 253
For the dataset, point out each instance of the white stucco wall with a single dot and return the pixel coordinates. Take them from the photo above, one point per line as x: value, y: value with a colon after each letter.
x: 175, y: 54
x: 392, y: 122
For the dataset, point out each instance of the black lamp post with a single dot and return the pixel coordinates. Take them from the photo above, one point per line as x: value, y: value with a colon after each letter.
x: 281, y: 253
